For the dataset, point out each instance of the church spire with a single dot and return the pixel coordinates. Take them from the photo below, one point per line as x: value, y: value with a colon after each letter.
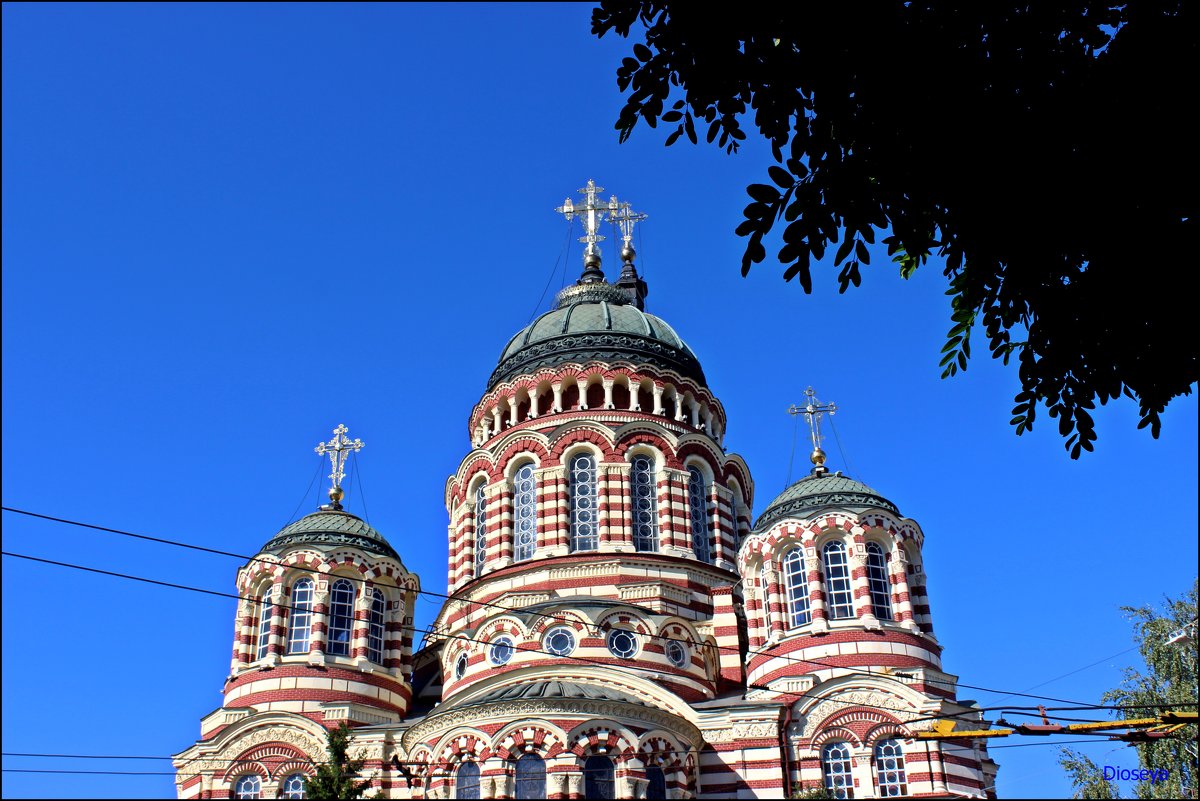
x: 337, y: 449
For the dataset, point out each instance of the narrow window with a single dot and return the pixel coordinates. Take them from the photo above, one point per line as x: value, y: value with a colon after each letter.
x: 656, y: 783
x: 599, y: 778
x: 645, y: 504
x: 265, y: 612
x: 699, y: 514
x: 531, y: 777
x: 301, y: 617
x: 293, y: 786
x: 585, y: 535
x: 341, y: 617
x: 764, y: 585
x: 525, y: 514
x: 466, y: 780
x: 889, y: 769
x: 837, y: 580
x: 480, y: 528
x: 835, y: 764
x: 796, y: 579
x: 248, y: 787
x: 877, y: 577
x: 733, y: 511
x: 375, y: 629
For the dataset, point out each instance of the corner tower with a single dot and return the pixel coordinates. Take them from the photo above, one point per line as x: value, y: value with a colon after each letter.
x: 322, y: 635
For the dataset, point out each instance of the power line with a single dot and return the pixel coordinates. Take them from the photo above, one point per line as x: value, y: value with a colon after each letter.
x: 499, y: 607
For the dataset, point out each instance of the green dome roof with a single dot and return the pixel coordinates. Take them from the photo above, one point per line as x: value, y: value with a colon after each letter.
x: 816, y: 491
x: 595, y: 321
x: 330, y: 528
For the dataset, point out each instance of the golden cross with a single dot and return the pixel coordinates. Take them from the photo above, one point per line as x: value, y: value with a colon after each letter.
x: 338, y: 449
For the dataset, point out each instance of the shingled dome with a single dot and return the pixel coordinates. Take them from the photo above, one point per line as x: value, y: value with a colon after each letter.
x: 328, y: 528
x: 816, y: 491
x: 595, y: 322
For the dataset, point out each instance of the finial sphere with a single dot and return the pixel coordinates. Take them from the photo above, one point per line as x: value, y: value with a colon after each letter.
x: 817, y: 457
x: 627, y: 253
x: 336, y: 494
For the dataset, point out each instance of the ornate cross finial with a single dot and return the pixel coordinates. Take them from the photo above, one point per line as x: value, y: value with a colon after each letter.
x: 591, y: 212
x: 813, y: 409
x: 625, y: 218
x: 338, y: 449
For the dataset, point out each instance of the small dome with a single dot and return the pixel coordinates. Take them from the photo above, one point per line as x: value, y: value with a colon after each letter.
x: 815, y: 491
x: 329, y: 528
x: 595, y: 322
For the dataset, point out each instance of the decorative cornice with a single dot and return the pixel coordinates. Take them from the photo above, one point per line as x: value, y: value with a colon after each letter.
x: 604, y: 346
x: 798, y: 507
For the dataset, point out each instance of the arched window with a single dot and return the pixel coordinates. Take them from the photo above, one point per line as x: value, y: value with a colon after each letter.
x: 835, y: 764
x: 265, y: 612
x: 300, y: 619
x: 656, y: 787
x: 524, y: 514
x: 293, y: 786
x: 375, y: 628
x: 466, y: 780
x: 599, y: 778
x: 889, y: 769
x: 796, y: 580
x: 837, y: 580
x: 698, y: 505
x: 645, y: 504
x: 764, y: 586
x: 734, y: 512
x: 341, y: 617
x: 585, y: 535
x: 530, y: 774
x: 877, y: 577
x: 248, y: 787
x: 480, y: 528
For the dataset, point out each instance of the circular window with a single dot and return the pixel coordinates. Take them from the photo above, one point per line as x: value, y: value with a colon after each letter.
x: 460, y: 667
x: 676, y: 653
x: 560, y: 641
x: 622, y: 643
x: 501, y: 650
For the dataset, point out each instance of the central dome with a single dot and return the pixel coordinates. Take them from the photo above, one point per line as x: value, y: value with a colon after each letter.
x: 595, y: 322
x: 331, y: 528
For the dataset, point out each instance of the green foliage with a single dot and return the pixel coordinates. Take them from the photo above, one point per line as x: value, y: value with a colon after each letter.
x: 1087, y: 776
x: 336, y: 779
x: 1041, y: 149
x: 813, y: 793
x: 1170, y: 678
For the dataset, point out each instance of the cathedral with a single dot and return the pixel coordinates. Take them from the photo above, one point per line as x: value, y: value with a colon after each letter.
x: 617, y: 624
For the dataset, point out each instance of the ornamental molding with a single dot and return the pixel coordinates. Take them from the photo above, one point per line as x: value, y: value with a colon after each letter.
x: 437, y: 725
x: 601, y: 347
x: 797, y: 506
x: 878, y: 701
x: 220, y: 762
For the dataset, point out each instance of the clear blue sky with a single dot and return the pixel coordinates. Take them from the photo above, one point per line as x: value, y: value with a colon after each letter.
x: 227, y: 228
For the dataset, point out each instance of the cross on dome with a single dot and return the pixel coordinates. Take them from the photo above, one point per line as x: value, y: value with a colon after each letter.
x: 813, y: 410
x: 337, y: 449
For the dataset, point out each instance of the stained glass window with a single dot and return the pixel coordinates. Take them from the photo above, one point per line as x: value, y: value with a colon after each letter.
x: 525, y: 514
x: 698, y: 505
x: 531, y: 777
x: 585, y: 534
x: 835, y: 764
x: 889, y: 769
x: 645, y: 504
x: 480, y: 528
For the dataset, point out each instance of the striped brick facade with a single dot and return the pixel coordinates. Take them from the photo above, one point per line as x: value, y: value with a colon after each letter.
x: 689, y: 677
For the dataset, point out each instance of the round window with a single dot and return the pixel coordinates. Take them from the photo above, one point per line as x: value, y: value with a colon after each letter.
x: 676, y: 653
x: 501, y: 650
x: 460, y: 667
x: 560, y: 641
x: 622, y: 643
